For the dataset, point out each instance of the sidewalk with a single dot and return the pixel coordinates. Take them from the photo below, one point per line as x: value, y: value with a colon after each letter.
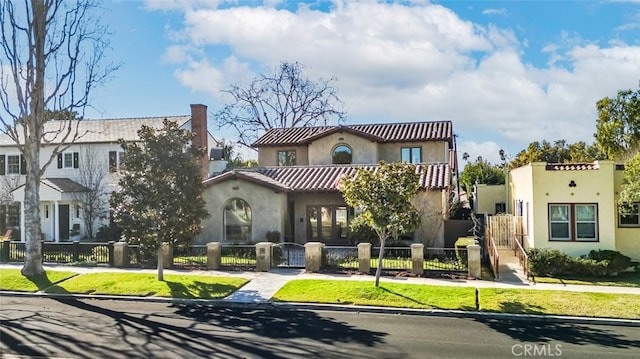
x: 263, y: 285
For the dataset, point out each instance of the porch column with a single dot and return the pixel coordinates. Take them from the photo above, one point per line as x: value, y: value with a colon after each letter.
x: 56, y: 223
x: 52, y: 221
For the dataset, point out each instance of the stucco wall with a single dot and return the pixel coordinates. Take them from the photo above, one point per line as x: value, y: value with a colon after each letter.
x: 432, y: 205
x: 268, y: 209
x: 432, y: 151
x: 486, y: 196
x: 268, y: 156
x: 592, y: 186
x: 521, y: 189
x: 364, y: 151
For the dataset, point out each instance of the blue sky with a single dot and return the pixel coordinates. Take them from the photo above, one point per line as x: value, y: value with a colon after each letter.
x: 505, y: 72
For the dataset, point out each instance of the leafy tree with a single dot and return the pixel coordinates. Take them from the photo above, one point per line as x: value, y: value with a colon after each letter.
x: 557, y: 152
x: 58, y: 45
x: 382, y: 199
x: 618, y: 125
x: 480, y: 171
x: 282, y: 99
x: 234, y: 159
x: 161, y: 189
x: 618, y: 136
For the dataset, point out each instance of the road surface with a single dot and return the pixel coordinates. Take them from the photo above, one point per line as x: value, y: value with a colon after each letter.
x: 70, y: 328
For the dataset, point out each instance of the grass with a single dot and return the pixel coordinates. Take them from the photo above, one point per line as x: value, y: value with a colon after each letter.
x: 387, y: 295
x: 523, y: 301
x: 518, y: 301
x: 142, y: 284
x: 13, y: 280
x: 627, y: 279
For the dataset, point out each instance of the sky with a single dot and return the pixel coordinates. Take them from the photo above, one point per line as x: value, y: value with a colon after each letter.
x: 506, y: 73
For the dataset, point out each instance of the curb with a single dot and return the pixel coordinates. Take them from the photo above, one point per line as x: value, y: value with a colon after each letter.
x: 341, y: 308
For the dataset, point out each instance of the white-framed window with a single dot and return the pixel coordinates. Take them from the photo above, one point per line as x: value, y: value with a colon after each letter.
x: 411, y: 154
x: 69, y: 160
x: 630, y: 216
x: 13, y: 164
x: 116, y: 158
x: 573, y: 222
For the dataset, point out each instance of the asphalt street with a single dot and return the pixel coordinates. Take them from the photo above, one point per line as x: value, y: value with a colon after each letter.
x: 74, y: 328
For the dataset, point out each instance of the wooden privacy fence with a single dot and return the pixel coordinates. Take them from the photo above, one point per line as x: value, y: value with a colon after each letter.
x: 504, y: 228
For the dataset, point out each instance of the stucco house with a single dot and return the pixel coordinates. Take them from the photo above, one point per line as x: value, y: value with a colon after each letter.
x: 571, y: 207
x: 61, y: 212
x: 294, y: 191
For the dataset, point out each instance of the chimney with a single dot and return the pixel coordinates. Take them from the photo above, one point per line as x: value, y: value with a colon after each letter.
x: 199, y: 128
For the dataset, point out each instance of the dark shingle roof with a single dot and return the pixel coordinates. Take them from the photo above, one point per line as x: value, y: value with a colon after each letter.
x: 387, y: 132
x: 324, y: 178
x: 64, y: 185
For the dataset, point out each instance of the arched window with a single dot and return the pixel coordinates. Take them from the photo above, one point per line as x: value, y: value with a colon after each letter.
x: 237, y: 221
x: 342, y: 155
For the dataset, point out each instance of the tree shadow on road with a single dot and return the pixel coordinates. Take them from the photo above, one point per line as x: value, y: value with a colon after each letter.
x: 70, y: 327
x: 535, y: 330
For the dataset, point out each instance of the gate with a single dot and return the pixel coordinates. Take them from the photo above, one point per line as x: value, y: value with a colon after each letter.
x: 503, y: 228
x: 287, y: 255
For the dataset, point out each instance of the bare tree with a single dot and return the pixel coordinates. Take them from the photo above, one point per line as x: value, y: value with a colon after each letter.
x: 51, y: 58
x: 94, y: 202
x: 283, y: 99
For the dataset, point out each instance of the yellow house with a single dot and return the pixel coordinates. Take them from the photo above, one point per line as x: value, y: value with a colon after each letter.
x: 573, y: 208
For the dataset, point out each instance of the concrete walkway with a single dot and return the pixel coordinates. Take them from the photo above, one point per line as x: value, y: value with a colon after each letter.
x: 510, y: 269
x: 263, y: 285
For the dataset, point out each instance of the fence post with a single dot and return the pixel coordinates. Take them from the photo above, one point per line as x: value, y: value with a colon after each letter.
x: 313, y: 256
x: 214, y: 255
x: 364, y: 257
x: 417, y: 258
x: 474, y: 264
x: 4, y: 251
x: 110, y: 246
x: 75, y: 252
x: 120, y: 254
x: 263, y: 256
x: 167, y: 255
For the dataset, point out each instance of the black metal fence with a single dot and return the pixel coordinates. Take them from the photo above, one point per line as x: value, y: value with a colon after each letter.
x: 336, y: 257
x: 238, y: 256
x: 190, y: 256
x: 65, y: 252
x: 288, y: 255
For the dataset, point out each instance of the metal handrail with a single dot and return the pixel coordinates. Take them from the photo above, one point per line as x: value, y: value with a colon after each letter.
x: 522, y: 256
x: 493, y: 252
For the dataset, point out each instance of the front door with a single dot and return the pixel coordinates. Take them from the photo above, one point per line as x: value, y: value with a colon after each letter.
x: 327, y: 223
x: 63, y: 221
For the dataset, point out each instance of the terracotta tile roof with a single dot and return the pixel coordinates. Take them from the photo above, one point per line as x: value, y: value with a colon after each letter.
x: 571, y: 166
x: 387, y: 132
x: 64, y: 185
x: 108, y: 130
x: 324, y: 178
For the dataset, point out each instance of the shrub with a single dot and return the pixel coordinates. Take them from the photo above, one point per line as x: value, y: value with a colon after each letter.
x: 112, y: 232
x: 363, y: 234
x: 273, y: 236
x: 600, y: 263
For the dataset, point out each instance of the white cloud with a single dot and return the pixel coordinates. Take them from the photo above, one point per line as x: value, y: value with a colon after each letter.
x: 411, y: 63
x: 489, y: 151
x: 501, y: 12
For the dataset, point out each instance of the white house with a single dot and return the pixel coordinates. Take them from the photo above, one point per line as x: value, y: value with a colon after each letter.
x: 61, y: 212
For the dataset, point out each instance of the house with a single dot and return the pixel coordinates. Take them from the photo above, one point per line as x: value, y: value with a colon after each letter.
x: 96, y: 152
x: 294, y: 191
x: 571, y: 207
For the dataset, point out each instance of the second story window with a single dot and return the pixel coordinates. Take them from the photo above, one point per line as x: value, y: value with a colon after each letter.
x: 68, y: 160
x: 12, y: 165
x: 411, y: 154
x: 115, y: 161
x: 287, y: 158
x: 342, y: 155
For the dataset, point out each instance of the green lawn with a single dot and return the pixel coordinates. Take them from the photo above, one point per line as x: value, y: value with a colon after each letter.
x: 12, y: 279
x: 388, y: 294
x: 527, y: 301
x: 520, y: 301
x: 141, y: 284
x: 630, y: 279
